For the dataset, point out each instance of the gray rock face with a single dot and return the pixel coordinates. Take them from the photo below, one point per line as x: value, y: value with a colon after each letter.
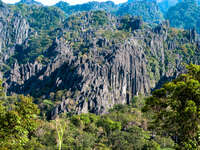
x: 101, y: 82
x: 14, y: 30
x: 100, y: 79
x: 102, y: 70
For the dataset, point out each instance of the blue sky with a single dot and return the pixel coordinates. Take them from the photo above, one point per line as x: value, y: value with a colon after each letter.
x: 72, y: 2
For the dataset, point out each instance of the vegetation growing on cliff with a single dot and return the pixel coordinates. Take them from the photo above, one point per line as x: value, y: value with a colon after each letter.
x: 173, y: 113
x: 91, y: 42
x: 44, y: 23
x: 175, y: 108
x: 184, y: 15
x: 124, y: 127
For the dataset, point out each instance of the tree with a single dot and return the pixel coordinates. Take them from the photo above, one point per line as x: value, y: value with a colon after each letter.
x: 60, y: 129
x: 176, y: 109
x: 109, y: 125
x: 184, y: 15
x: 17, y: 121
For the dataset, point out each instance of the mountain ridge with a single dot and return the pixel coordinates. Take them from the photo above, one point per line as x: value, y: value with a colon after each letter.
x: 29, y: 2
x: 97, y: 60
x: 90, y: 60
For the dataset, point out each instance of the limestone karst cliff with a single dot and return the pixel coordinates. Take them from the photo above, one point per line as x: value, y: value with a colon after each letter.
x: 14, y: 30
x: 96, y: 59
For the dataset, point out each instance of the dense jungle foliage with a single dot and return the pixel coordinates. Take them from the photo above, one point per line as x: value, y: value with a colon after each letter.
x: 172, y: 122
x: 45, y: 23
x: 185, y: 15
x: 167, y: 120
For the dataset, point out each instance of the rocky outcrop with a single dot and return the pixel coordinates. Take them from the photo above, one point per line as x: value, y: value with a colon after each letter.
x: 102, y: 81
x: 102, y: 65
x: 14, y: 30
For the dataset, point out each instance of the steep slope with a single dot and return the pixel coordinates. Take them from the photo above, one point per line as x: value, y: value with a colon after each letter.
x: 185, y: 15
x: 148, y: 10
x: 62, y: 5
x: 99, y: 60
x: 108, y: 6
x: 14, y: 30
x: 43, y: 21
x: 164, y: 5
x: 151, y: 11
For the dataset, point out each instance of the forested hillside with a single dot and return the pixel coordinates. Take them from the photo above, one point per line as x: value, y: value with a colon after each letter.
x: 185, y: 15
x: 181, y: 13
x: 108, y: 6
x: 44, y: 23
x: 163, y: 121
x: 148, y: 10
x: 164, y: 5
x: 91, y: 60
x: 80, y: 76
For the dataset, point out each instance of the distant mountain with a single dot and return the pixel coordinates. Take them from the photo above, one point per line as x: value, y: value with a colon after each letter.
x: 108, y: 6
x: 152, y: 11
x: 184, y: 15
x: 29, y: 2
x: 130, y: 1
x: 147, y: 9
x: 164, y: 5
x: 62, y: 5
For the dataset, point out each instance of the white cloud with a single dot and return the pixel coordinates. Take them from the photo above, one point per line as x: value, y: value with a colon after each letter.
x: 72, y: 2
x: 10, y: 1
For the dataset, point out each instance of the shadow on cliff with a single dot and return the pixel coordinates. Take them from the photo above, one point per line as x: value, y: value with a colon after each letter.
x: 162, y: 81
x: 65, y: 77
